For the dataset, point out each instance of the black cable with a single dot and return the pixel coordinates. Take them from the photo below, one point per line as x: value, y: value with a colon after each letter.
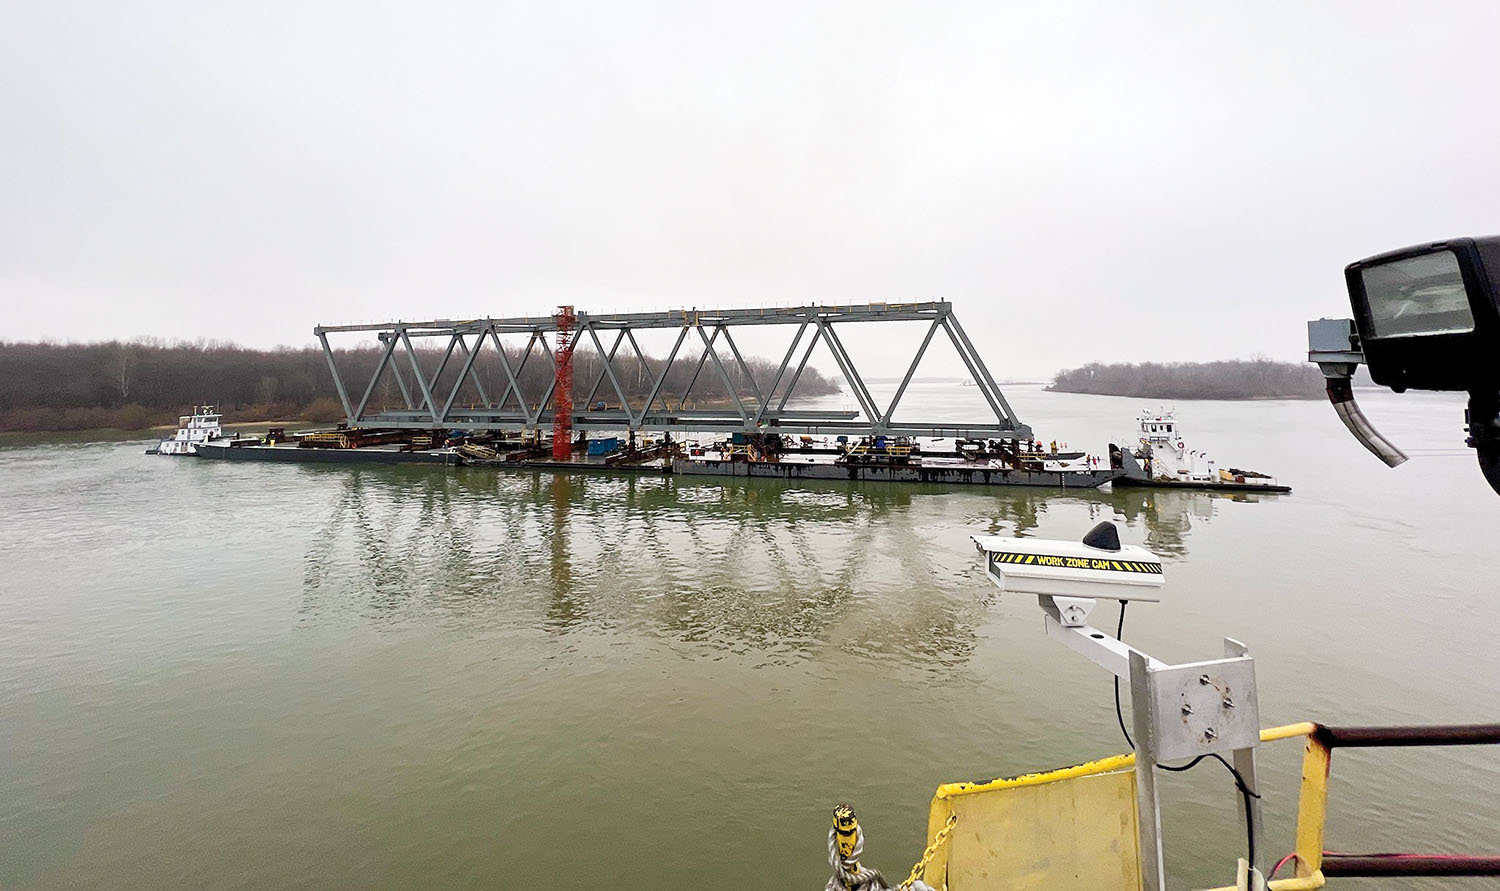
x: 1119, y: 712
x: 1239, y: 781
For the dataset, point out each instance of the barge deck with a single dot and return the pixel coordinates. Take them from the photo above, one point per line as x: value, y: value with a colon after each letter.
x: 950, y: 473
x: 293, y: 453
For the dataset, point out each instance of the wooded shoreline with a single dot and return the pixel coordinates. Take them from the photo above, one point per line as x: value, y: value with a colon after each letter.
x: 1233, y: 379
x: 136, y: 385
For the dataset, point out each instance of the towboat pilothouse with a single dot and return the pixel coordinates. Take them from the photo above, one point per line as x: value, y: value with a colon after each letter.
x: 192, y: 430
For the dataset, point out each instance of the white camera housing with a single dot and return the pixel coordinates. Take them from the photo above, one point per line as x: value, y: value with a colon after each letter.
x: 1071, y: 568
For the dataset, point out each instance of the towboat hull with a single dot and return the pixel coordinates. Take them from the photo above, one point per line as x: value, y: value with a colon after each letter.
x: 1210, y: 485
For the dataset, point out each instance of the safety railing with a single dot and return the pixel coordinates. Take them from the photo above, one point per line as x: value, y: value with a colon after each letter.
x: 899, y: 451
x: 1313, y: 864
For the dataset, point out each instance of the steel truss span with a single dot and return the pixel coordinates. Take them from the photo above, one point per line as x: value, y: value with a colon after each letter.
x: 749, y: 409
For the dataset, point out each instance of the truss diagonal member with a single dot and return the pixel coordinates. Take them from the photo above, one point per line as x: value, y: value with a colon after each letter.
x: 916, y: 360
x: 984, y: 370
x: 513, y: 384
x: 780, y: 371
x: 665, y: 370
x: 797, y: 375
x: 846, y: 365
x: 640, y: 357
x: 708, y: 347
x: 609, y: 367
x: 416, y: 371
x: 744, y: 369
x: 464, y: 372
x: 541, y: 336
x: 982, y: 378
x: 385, y: 358
x: 484, y: 397
x: 437, y: 376
x: 338, y: 382
x: 697, y: 370
x: 607, y: 359
x: 400, y: 381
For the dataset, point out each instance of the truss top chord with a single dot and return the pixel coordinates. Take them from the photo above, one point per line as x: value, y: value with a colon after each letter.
x: 770, y: 315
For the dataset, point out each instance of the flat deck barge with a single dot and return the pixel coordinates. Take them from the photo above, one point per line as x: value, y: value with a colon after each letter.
x: 803, y: 467
x: 908, y: 473
x: 292, y: 453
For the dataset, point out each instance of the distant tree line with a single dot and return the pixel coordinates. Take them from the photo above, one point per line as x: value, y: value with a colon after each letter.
x: 1229, y: 379
x: 136, y: 384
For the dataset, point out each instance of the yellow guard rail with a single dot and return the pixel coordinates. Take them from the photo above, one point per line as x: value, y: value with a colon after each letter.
x: 1112, y: 798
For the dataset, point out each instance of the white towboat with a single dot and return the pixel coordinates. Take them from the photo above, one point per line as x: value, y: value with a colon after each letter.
x: 1163, y: 458
x: 202, y: 426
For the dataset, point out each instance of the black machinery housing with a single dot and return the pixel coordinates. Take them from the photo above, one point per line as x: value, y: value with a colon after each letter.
x: 1445, y: 359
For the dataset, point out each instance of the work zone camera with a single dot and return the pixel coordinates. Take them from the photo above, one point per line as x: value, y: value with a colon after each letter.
x: 1098, y: 567
x: 1426, y: 317
x: 1188, y: 711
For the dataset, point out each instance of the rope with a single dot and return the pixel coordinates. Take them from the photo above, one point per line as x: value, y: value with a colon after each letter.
x: 849, y: 875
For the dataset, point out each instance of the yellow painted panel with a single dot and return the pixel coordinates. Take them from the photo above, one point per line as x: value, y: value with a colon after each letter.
x: 1076, y: 833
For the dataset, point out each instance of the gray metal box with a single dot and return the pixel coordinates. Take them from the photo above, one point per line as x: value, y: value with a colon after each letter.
x: 1331, y: 335
x: 1203, y: 707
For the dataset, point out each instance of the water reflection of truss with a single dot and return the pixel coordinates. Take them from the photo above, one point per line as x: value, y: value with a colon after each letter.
x: 747, y: 566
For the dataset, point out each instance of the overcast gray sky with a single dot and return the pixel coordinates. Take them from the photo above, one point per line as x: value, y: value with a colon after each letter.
x: 1084, y: 181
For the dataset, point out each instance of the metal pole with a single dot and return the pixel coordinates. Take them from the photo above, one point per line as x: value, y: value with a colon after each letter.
x: 1148, y: 805
x: 1244, y: 762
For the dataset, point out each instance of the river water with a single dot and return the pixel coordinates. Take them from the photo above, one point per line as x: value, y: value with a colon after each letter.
x: 241, y: 675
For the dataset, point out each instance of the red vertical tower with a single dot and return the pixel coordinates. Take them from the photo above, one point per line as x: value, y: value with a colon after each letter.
x: 562, y: 386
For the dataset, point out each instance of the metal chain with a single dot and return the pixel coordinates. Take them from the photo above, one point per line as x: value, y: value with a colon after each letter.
x: 938, y: 841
